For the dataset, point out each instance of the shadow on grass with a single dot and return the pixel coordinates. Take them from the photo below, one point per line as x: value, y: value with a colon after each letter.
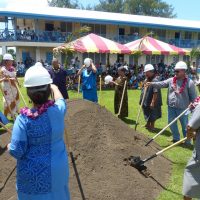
x: 163, y: 187
x: 165, y: 133
x: 129, y: 121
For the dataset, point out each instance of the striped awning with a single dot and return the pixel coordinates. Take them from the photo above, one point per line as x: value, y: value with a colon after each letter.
x: 151, y: 46
x: 93, y: 43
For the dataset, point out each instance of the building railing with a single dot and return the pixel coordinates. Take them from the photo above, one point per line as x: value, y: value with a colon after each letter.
x: 60, y: 37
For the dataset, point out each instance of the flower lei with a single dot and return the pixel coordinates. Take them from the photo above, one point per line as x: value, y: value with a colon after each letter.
x: 56, y: 70
x: 11, y: 69
x: 39, y: 111
x: 182, y: 86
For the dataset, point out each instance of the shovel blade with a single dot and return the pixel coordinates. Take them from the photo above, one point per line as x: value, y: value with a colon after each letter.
x: 136, y: 162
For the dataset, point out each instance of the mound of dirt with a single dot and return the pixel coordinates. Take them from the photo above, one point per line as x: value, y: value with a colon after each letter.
x: 100, y: 143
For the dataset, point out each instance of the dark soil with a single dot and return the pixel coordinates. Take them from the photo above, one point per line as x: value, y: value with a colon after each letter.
x: 100, y: 143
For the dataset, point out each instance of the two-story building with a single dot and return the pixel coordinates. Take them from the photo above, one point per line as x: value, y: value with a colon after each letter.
x: 36, y: 31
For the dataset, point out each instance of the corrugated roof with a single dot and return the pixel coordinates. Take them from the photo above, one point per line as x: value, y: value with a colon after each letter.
x: 65, y: 14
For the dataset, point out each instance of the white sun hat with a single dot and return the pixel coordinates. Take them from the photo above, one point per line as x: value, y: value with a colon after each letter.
x: 37, y: 75
x: 181, y: 65
x: 108, y: 79
x: 8, y: 56
x: 148, y: 67
x: 87, y: 62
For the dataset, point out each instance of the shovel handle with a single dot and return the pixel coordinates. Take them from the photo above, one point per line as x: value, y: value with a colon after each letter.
x: 122, y: 99
x: 79, y: 82
x: 9, y: 131
x: 155, y: 136
x: 138, y: 116
x: 20, y: 94
x: 171, y: 146
x: 151, y: 140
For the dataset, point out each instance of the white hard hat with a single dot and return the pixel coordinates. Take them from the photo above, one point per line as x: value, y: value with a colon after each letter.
x: 148, y: 67
x: 181, y: 65
x: 108, y: 79
x: 87, y: 62
x: 8, y: 56
x: 37, y: 75
x: 126, y: 67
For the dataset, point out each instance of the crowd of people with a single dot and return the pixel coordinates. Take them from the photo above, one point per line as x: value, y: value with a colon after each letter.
x: 37, y: 136
x: 28, y: 34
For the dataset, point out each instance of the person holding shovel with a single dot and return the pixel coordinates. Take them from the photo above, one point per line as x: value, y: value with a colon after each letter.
x: 119, y: 94
x: 152, y: 101
x: 89, y: 80
x: 11, y: 94
x: 181, y: 92
x: 37, y: 141
x: 191, y: 181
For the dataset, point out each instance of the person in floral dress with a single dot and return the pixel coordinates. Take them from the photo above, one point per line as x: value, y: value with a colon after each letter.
x: 11, y: 94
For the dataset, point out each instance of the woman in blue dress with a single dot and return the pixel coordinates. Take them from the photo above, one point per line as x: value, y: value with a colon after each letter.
x: 89, y: 82
x: 37, y: 141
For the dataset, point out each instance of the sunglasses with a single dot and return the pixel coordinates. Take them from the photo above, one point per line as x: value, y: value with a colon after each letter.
x: 177, y: 71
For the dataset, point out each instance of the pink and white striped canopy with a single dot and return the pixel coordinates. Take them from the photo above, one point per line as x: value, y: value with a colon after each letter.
x: 93, y: 43
x: 151, y: 46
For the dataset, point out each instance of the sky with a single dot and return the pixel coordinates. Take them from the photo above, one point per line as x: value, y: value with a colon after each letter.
x: 185, y: 9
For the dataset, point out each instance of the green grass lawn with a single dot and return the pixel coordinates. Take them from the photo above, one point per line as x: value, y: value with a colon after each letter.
x: 179, y: 155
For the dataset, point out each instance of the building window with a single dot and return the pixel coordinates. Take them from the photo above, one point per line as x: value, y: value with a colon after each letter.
x: 49, y: 57
x: 186, y: 58
x: 63, y: 27
x: 188, y: 35
x: 199, y: 36
x: 134, y: 30
x: 49, y: 27
x: 103, y: 30
x: 97, y: 28
x: 154, y: 59
x: 69, y: 27
x: 160, y: 33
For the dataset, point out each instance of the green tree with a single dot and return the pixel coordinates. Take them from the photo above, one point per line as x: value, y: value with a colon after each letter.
x: 110, y: 6
x: 137, y: 7
x: 64, y: 3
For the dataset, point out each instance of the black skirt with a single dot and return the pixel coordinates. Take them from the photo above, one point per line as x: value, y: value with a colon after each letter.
x: 151, y: 115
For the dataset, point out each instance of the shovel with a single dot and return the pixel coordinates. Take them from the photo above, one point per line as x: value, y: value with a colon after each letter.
x: 139, y: 112
x: 122, y: 99
x: 20, y: 94
x: 74, y: 164
x: 1, y: 124
x: 155, y: 136
x: 79, y: 83
x: 139, y: 164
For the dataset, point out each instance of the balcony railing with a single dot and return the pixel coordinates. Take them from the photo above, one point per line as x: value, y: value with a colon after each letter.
x: 60, y: 37
x: 33, y: 36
